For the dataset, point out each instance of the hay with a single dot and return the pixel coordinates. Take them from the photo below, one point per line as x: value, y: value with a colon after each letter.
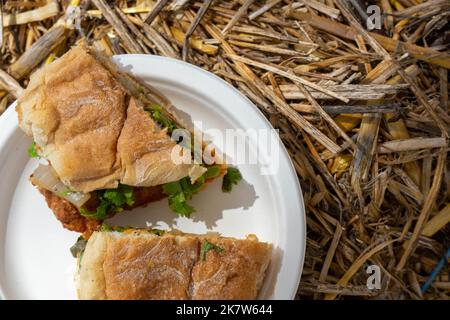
x: 364, y: 115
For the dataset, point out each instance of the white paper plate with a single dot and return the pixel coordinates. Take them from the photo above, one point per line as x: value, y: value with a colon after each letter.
x: 35, y: 262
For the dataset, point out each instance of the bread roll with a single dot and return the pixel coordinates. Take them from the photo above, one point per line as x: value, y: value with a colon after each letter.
x: 136, y: 265
x: 87, y: 122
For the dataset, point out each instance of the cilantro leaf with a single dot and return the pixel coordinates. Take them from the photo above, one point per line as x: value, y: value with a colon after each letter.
x: 157, y: 114
x: 115, y: 197
x: 158, y: 232
x: 207, y: 246
x: 181, y: 191
x: 99, y: 214
x: 105, y: 228
x: 32, y: 152
x: 129, y: 195
x: 178, y: 204
x: 111, y: 200
x: 212, y: 172
x: 233, y: 176
x: 172, y: 187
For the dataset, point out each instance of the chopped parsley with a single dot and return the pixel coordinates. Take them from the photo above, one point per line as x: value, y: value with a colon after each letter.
x: 179, y: 192
x: 111, y: 200
x: 233, y: 176
x: 32, y: 152
x: 105, y: 228
x: 67, y: 192
x: 158, y: 232
x: 157, y: 114
x: 207, y: 246
x: 78, y: 247
x: 212, y: 172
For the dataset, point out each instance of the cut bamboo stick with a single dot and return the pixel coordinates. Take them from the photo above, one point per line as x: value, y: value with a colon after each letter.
x: 341, y: 30
x: 131, y: 44
x: 192, y: 27
x: 143, y: 7
x: 339, y: 109
x: 196, y: 43
x: 269, y: 4
x: 241, y: 12
x: 438, y: 222
x: 358, y: 264
x: 49, y: 10
x: 10, y: 84
x: 325, y: 115
x: 287, y: 75
x: 38, y: 52
x: 329, y: 11
x: 140, y: 37
x: 331, y: 252
x: 298, y: 120
x: 410, y: 245
x: 412, y: 144
x: 375, y: 205
x: 155, y: 11
x: 351, y: 92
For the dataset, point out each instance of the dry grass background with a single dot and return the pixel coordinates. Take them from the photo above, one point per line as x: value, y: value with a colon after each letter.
x: 364, y: 115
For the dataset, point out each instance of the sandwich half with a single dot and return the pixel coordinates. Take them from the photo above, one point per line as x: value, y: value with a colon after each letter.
x: 146, y: 264
x: 106, y: 139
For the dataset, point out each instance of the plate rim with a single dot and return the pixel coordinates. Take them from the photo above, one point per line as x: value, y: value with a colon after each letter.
x: 9, y: 125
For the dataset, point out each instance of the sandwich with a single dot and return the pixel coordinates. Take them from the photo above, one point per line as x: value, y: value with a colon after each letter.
x: 105, y: 140
x: 145, y: 264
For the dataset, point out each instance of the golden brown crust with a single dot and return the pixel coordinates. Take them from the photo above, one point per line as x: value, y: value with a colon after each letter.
x: 148, y: 267
x: 91, y: 279
x: 145, y: 151
x: 75, y: 109
x: 140, y: 265
x: 233, y: 274
x: 75, y: 112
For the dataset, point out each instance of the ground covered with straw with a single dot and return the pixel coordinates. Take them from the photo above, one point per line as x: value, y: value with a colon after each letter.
x: 364, y: 114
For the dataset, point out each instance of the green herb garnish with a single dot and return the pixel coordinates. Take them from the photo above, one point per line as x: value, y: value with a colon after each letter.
x: 178, y: 204
x: 212, y: 172
x: 111, y: 200
x: 233, y: 176
x: 105, y: 228
x: 78, y: 247
x: 158, y: 232
x: 207, y: 246
x: 157, y: 114
x: 32, y: 152
x: 181, y: 191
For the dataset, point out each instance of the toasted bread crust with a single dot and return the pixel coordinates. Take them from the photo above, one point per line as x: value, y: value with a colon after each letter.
x: 145, y: 151
x: 141, y: 265
x: 234, y: 274
x: 75, y: 116
x: 77, y: 112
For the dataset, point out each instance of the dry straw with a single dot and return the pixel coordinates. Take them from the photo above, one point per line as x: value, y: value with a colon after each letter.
x: 363, y: 114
